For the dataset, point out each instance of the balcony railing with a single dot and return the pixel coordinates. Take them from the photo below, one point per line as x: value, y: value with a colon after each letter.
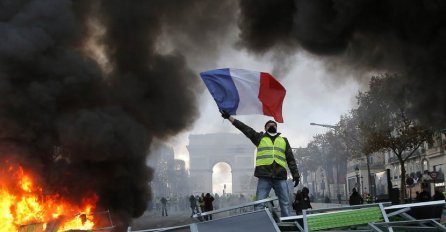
x: 363, y: 166
x: 394, y: 159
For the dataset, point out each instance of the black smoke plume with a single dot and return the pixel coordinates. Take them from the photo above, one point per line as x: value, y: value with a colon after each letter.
x: 408, y: 37
x: 83, y: 125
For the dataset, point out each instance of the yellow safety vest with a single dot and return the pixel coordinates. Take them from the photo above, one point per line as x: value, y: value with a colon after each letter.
x: 267, y: 152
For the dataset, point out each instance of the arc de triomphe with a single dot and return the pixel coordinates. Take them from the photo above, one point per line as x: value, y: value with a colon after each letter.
x: 206, y: 150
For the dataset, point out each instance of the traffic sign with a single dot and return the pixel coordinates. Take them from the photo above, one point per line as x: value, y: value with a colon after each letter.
x: 410, y: 181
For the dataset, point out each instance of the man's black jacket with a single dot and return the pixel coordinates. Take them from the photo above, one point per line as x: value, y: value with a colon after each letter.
x: 274, y: 170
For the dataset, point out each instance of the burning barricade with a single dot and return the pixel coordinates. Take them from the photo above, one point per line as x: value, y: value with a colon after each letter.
x: 25, y: 207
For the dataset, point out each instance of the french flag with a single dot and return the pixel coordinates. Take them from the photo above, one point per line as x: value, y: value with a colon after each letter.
x: 241, y: 92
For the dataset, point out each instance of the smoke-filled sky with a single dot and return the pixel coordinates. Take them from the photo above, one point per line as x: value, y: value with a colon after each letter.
x: 98, y: 80
x: 310, y: 98
x: 324, y: 52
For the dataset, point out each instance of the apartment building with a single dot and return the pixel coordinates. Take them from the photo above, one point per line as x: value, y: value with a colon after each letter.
x: 427, y: 164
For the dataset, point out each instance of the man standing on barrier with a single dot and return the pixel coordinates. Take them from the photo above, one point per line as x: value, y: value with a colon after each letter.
x: 273, y: 154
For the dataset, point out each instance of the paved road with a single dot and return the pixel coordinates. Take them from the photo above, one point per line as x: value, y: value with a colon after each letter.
x: 153, y: 221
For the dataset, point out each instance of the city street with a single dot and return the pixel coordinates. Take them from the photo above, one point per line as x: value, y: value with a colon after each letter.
x: 151, y: 220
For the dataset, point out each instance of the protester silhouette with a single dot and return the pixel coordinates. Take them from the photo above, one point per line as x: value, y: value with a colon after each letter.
x: 355, y: 198
x: 163, y: 206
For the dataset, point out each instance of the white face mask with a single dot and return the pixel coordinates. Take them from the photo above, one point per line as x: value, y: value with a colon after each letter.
x: 272, y: 134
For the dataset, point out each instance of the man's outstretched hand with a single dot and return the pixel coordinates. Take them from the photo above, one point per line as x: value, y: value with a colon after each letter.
x: 225, y: 114
x: 296, y: 180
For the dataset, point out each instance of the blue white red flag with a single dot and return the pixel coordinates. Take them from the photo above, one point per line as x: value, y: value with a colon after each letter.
x: 241, y: 92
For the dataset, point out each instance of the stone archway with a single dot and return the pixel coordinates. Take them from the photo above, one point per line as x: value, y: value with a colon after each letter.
x: 221, y: 178
x: 206, y: 150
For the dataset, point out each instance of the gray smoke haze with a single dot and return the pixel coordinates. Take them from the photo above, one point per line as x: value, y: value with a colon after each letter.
x: 408, y: 37
x: 83, y: 129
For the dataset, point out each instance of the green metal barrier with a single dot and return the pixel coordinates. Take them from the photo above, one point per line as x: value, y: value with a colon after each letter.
x: 345, y: 218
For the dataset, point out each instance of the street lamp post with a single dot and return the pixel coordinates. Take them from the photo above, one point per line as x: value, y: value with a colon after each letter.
x: 324, y: 125
x: 322, y: 184
x: 362, y: 185
x: 357, y: 177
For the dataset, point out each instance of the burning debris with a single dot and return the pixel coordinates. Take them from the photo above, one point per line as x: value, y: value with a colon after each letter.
x: 25, y: 204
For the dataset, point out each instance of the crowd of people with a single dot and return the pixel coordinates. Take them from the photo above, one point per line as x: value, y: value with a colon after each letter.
x: 205, y: 204
x: 195, y: 203
x: 302, y: 199
x: 425, y: 195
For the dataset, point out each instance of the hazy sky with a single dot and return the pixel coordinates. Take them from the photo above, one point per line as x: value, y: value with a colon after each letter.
x: 312, y: 95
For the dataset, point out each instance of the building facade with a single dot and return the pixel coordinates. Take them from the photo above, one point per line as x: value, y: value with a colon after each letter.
x: 170, y: 175
x: 358, y: 174
x: 427, y: 165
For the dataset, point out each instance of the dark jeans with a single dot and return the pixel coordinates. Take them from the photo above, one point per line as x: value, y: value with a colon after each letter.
x: 194, y: 210
x: 208, y: 217
x: 164, y: 209
x: 280, y: 187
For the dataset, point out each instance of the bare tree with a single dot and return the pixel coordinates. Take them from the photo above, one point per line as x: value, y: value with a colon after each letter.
x: 383, y: 118
x: 355, y: 140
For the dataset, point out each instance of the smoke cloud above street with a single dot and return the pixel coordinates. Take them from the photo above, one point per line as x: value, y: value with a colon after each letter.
x: 406, y: 37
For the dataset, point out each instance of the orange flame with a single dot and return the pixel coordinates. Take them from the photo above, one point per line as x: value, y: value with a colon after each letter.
x: 22, y: 204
